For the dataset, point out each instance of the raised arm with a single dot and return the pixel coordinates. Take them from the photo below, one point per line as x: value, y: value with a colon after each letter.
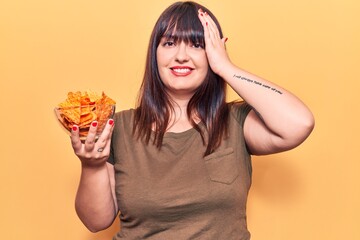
x: 279, y: 120
x: 95, y: 202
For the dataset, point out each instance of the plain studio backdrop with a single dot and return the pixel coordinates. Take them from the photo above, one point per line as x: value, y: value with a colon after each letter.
x: 49, y: 47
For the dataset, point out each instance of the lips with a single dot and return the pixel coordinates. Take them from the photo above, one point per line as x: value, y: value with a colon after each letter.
x: 181, y: 70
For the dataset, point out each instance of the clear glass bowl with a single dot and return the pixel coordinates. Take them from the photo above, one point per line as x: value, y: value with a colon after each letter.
x: 83, y: 116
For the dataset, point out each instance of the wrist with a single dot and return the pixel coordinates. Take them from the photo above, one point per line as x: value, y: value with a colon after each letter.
x: 93, y: 166
x: 227, y: 71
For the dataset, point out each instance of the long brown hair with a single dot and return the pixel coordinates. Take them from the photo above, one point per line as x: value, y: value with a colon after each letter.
x: 180, y: 21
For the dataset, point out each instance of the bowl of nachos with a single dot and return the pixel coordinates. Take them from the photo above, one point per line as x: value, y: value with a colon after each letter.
x: 81, y: 108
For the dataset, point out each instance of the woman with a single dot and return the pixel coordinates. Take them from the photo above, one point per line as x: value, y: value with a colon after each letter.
x: 178, y: 166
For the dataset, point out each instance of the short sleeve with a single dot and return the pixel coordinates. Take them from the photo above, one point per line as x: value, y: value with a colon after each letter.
x: 122, y: 135
x: 240, y: 110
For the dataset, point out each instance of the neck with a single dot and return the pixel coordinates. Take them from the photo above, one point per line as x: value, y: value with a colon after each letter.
x: 180, y: 110
x: 180, y: 103
x: 179, y: 119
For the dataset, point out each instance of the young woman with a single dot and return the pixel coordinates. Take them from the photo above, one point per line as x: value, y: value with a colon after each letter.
x: 178, y: 165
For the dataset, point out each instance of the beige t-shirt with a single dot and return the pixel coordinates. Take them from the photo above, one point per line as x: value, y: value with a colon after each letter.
x: 176, y: 193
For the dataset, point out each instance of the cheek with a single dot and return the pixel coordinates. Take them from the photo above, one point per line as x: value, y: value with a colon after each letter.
x: 160, y: 62
x: 158, y: 57
x: 201, y: 60
x: 203, y: 64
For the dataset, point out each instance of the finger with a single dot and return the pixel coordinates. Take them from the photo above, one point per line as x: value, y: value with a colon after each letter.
x: 91, y: 137
x: 75, y: 139
x: 204, y: 23
x: 224, y: 40
x: 211, y: 32
x: 103, y: 148
x: 212, y: 25
x: 202, y: 19
x: 103, y: 143
x: 107, y: 146
x: 107, y: 132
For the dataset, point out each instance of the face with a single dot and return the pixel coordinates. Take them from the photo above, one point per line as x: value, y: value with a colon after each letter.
x: 182, y: 66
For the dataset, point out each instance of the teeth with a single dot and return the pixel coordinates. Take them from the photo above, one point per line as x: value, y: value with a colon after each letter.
x: 181, y: 70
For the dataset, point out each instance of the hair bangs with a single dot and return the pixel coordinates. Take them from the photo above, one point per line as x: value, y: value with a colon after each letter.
x: 184, y: 26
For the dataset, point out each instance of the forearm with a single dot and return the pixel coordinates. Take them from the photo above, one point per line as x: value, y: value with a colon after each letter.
x: 94, y: 202
x: 282, y: 112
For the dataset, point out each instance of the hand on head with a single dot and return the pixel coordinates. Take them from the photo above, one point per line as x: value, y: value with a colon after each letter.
x: 214, y: 43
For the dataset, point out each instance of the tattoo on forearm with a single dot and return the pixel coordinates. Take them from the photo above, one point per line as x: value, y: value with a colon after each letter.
x: 257, y: 83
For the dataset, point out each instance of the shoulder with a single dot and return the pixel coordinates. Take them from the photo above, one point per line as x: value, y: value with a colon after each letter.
x: 124, y: 115
x: 124, y: 121
x: 239, y: 110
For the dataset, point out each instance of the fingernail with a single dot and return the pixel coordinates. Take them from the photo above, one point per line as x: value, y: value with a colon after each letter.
x: 74, y: 128
x: 94, y: 124
x: 201, y: 14
x: 111, y: 122
x: 226, y: 39
x: 206, y: 23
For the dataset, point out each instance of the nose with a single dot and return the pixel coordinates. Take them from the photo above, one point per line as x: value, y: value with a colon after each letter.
x: 181, y: 53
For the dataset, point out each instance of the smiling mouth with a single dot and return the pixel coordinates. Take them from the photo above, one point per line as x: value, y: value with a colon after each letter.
x: 181, y: 70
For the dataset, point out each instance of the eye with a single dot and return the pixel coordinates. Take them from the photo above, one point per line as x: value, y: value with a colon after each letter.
x: 168, y: 43
x: 197, y: 45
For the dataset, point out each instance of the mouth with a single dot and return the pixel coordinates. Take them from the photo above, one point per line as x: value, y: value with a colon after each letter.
x: 181, y: 70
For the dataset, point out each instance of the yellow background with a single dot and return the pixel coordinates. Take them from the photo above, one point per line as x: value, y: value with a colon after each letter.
x: 50, y: 47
